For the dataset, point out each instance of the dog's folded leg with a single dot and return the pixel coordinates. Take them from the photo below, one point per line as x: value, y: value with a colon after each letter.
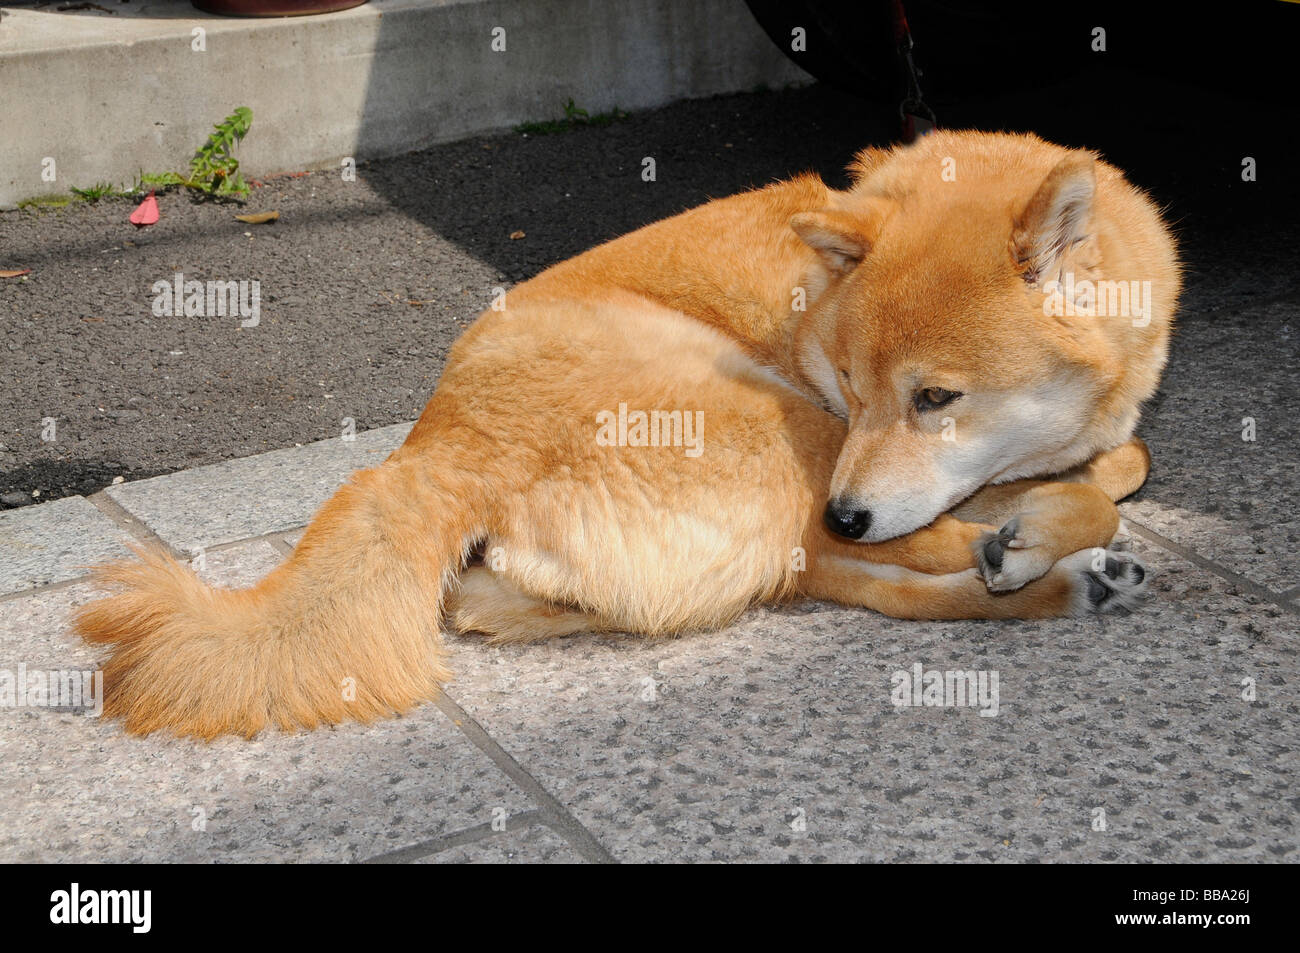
x: 1043, y: 521
x: 1089, y: 581
x: 1015, y: 532
x: 1052, y: 521
x: 945, y: 546
x: 485, y: 601
x: 1118, y: 472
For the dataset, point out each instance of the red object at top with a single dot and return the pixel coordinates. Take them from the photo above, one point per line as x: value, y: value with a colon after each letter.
x: 147, y: 213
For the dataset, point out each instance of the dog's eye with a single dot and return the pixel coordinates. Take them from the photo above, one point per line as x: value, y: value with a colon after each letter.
x: 932, y: 398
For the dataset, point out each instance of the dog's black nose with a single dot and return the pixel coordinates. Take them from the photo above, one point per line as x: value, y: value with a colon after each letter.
x: 846, y: 521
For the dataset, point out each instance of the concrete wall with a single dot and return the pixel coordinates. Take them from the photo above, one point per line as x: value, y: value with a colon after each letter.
x: 106, y: 96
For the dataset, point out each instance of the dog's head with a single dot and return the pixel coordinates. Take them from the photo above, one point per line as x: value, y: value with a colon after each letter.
x: 933, y: 333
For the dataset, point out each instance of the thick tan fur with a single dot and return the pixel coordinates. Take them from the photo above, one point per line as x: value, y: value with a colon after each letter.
x: 910, y: 281
x: 345, y: 628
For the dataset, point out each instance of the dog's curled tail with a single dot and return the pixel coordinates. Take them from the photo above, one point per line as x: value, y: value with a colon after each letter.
x: 346, y: 628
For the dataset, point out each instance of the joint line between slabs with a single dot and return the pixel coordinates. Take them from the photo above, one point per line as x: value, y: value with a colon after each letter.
x: 124, y: 518
x: 470, y: 835
x: 551, y: 811
x: 1178, y: 549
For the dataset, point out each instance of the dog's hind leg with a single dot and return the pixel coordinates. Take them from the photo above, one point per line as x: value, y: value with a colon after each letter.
x: 485, y: 601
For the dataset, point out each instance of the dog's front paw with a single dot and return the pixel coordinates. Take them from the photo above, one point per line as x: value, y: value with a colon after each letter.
x: 1012, y: 557
x: 1108, y: 580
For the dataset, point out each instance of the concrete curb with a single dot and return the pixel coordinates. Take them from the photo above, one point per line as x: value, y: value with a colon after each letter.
x: 376, y: 80
x: 188, y: 511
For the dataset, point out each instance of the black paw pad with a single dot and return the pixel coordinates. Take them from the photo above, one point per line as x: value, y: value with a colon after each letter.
x: 1097, y: 593
x: 995, y: 548
x: 992, y: 550
x: 1117, y: 585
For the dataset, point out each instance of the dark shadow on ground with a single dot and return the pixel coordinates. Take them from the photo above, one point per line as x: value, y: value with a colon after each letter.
x: 568, y: 191
x: 1165, y: 102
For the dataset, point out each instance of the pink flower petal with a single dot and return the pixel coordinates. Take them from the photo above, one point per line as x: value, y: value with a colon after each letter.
x: 147, y: 213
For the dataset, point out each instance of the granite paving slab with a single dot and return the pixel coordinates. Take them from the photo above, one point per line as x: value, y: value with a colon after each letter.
x: 536, y: 844
x: 1232, y: 374
x: 78, y: 789
x: 55, y: 542
x: 266, y: 493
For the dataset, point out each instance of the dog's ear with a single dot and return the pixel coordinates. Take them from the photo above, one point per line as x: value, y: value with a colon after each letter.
x: 1056, y: 217
x: 841, y: 239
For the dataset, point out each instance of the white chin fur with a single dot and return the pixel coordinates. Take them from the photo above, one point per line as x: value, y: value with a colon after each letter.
x: 889, y: 524
x: 891, y: 520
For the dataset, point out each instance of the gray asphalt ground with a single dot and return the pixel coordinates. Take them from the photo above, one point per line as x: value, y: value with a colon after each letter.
x: 365, y: 284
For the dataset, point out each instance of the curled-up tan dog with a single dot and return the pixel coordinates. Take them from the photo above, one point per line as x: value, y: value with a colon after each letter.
x: 916, y: 396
